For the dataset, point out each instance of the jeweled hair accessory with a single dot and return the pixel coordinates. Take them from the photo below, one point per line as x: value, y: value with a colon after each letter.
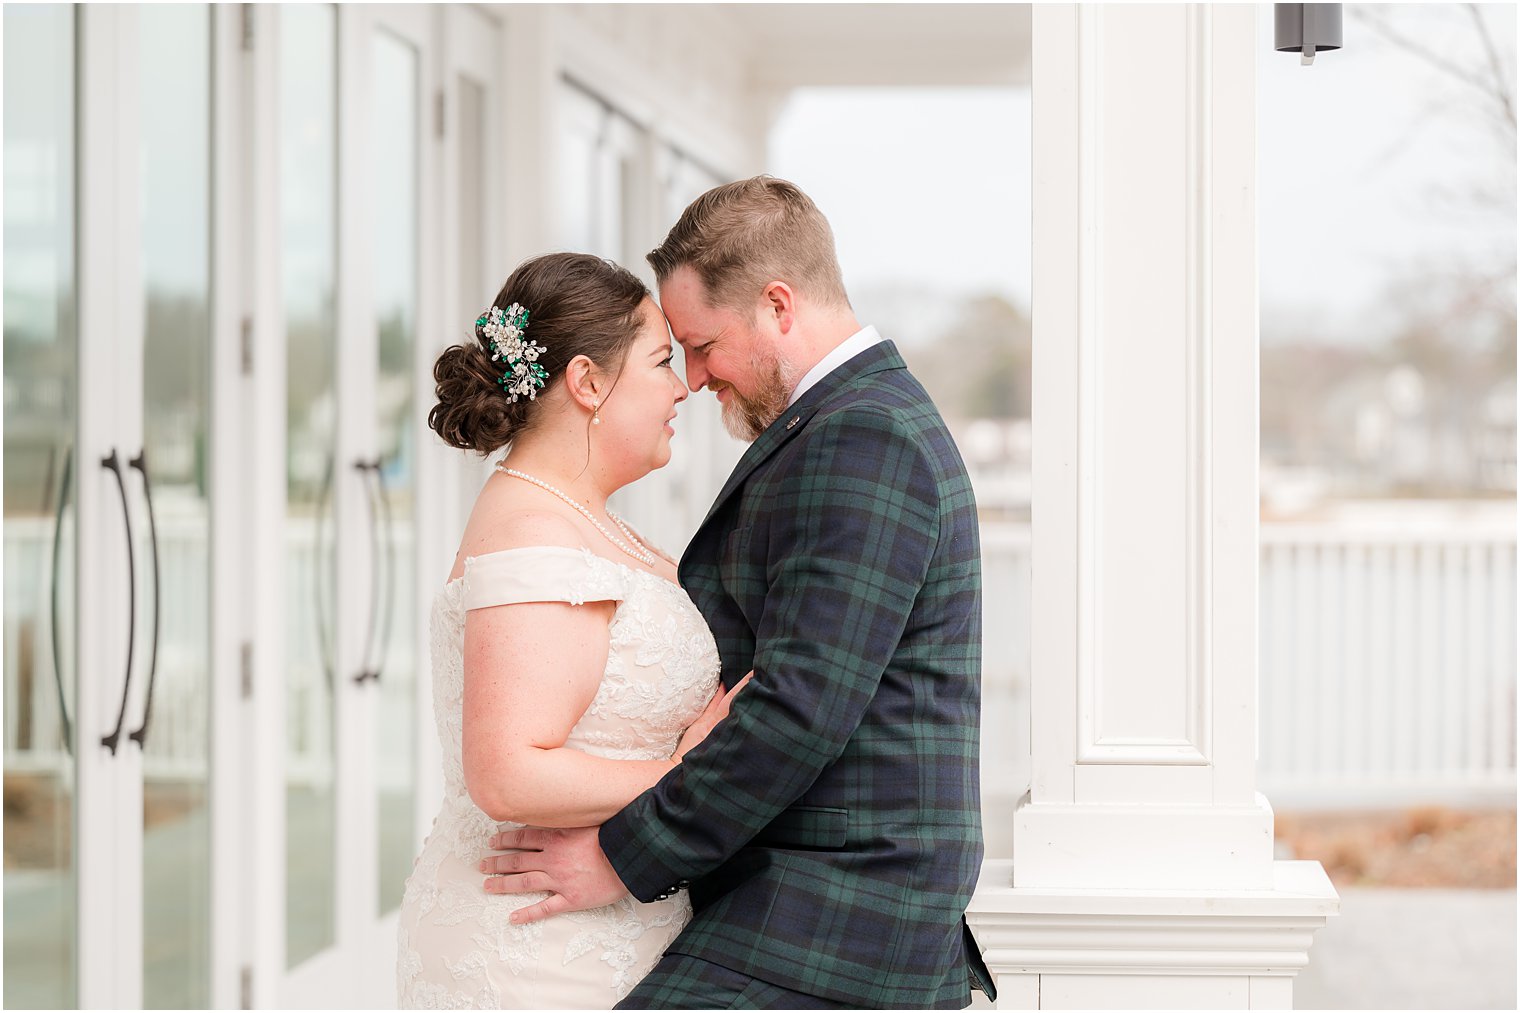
x: 524, y: 377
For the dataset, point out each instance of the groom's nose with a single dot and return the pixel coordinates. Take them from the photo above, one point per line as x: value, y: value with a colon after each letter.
x: 696, y: 376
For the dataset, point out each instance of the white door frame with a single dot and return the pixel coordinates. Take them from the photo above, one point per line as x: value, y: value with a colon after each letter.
x: 229, y: 513
x: 108, y: 800
x: 262, y: 400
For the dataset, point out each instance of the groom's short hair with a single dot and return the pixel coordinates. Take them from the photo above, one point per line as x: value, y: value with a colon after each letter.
x: 741, y: 236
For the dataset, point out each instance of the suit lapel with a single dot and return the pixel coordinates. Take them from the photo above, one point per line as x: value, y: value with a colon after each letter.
x: 795, y: 419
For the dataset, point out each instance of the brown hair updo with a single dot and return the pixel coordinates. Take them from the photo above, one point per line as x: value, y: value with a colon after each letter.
x: 577, y: 305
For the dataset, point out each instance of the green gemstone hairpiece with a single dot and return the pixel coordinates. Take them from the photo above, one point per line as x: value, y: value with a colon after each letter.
x: 524, y: 377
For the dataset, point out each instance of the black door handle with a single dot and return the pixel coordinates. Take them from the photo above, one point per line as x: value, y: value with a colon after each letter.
x: 390, y: 569
x: 113, y: 464
x: 63, y: 499
x: 140, y: 462
x: 367, y: 672
x: 324, y: 629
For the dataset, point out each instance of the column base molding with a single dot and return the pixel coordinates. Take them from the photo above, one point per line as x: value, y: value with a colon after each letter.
x: 1143, y: 847
x: 1149, y: 949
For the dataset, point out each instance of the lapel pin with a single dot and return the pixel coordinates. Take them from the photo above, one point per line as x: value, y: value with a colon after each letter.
x: 795, y: 419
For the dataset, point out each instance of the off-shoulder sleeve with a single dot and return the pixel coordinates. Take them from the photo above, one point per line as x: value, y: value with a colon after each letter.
x: 541, y: 573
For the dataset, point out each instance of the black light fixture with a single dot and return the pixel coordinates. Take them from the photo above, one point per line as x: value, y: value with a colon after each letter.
x: 1307, y: 28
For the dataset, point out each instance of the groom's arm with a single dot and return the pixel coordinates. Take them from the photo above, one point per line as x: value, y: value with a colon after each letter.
x: 850, y: 542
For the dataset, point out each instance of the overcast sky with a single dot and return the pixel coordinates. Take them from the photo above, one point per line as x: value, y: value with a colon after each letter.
x: 925, y: 183
x: 1366, y: 160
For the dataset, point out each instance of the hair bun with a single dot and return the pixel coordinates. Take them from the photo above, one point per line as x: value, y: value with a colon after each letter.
x: 472, y: 413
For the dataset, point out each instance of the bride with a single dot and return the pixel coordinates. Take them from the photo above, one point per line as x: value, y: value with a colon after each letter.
x: 570, y: 671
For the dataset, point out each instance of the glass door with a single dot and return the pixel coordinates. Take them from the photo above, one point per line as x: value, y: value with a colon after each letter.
x: 41, y: 381
x: 213, y: 743
x: 358, y: 138
x: 392, y: 645
x: 308, y: 253
x: 109, y: 507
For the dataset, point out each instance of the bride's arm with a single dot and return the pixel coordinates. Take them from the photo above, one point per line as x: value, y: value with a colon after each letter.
x: 530, y: 672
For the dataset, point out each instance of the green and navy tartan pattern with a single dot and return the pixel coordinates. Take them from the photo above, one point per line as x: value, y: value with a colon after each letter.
x: 829, y: 830
x: 682, y: 982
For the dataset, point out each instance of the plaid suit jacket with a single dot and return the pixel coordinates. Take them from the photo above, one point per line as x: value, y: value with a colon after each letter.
x: 829, y: 829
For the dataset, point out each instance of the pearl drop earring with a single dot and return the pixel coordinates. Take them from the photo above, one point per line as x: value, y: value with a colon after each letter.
x: 596, y: 413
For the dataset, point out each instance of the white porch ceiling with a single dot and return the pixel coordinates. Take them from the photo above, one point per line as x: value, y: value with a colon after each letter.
x: 797, y: 45
x: 784, y: 46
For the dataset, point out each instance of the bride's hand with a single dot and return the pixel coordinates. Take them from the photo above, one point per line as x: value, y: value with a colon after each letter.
x: 717, y: 710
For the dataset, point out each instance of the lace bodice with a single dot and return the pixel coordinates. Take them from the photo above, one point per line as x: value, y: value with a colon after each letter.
x: 457, y: 948
x: 662, y: 664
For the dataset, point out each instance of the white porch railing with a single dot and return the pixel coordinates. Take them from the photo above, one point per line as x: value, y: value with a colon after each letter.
x: 1387, y: 675
x: 1387, y: 666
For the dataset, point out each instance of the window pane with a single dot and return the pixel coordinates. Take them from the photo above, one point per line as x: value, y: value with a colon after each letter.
x: 579, y: 140
x: 41, y: 369
x: 308, y: 252
x: 175, y: 64
x: 394, y: 162
x: 474, y: 289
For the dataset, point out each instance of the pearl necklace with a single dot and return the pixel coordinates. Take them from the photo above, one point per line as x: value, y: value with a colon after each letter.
x: 641, y: 554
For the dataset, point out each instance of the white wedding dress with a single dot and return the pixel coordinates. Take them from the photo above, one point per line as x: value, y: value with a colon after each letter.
x: 456, y: 948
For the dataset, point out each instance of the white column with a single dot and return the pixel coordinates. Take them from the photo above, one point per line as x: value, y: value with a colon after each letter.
x: 1143, y: 872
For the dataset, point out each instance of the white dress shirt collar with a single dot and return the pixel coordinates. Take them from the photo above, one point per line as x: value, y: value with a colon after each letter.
x: 852, y: 346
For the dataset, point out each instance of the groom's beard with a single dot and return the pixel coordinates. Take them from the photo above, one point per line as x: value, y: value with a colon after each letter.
x: 746, y: 418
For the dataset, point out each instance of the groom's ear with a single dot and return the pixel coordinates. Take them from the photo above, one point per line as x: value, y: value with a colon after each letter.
x: 778, y: 305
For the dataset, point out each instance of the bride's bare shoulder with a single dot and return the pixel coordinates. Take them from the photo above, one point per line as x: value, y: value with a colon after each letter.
x: 521, y: 529
x: 506, y: 522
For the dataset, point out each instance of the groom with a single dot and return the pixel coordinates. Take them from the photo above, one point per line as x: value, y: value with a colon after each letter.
x: 829, y: 829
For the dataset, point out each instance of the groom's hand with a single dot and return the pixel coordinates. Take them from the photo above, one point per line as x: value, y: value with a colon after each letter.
x: 569, y: 864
